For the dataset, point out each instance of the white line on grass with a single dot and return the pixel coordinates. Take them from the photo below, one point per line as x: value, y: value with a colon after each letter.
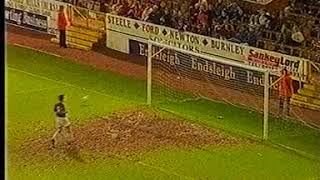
x: 34, y: 91
x: 66, y: 84
x: 315, y: 178
x: 299, y: 152
x: 42, y: 51
x: 165, y: 171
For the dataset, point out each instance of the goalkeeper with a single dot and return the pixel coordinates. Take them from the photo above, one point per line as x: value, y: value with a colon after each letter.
x: 285, y: 92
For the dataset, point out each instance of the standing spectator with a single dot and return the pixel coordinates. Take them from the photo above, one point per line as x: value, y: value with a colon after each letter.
x: 104, y: 7
x: 315, y: 44
x: 155, y: 15
x: 278, y: 22
x: 146, y: 12
x: 166, y: 18
x: 187, y: 25
x: 285, y: 34
x: 202, y: 17
x: 62, y: 25
x: 306, y: 31
x: 125, y: 7
x: 285, y: 91
x: 241, y: 36
x: 254, y: 21
x: 213, y: 28
x: 263, y: 20
x: 235, y: 12
x: 155, y: 2
x: 297, y: 36
x: 116, y: 7
x: 228, y: 29
x: 82, y: 3
x: 210, y: 13
x: 132, y: 10
x: 180, y: 25
x: 139, y: 11
x: 90, y: 5
x: 203, y: 4
x: 252, y: 37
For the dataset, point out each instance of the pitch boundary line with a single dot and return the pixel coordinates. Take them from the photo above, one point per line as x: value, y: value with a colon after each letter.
x: 64, y: 83
x: 38, y: 50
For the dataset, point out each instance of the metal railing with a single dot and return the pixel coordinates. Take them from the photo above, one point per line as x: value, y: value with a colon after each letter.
x: 314, y: 73
x: 302, y: 17
x: 293, y: 51
x: 86, y: 18
x: 262, y: 2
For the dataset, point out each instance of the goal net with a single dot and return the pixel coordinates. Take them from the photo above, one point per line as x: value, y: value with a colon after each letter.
x: 225, y: 94
x: 235, y: 94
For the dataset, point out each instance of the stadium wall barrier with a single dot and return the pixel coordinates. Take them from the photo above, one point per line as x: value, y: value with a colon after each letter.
x: 88, y: 18
x: 120, y: 30
x: 31, y: 13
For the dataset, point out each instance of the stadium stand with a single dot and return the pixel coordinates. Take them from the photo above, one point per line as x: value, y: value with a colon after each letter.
x: 288, y: 26
x: 294, y: 26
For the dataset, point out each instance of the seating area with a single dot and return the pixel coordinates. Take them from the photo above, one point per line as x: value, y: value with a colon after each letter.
x: 294, y: 31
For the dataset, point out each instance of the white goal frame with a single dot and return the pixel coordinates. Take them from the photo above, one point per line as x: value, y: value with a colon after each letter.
x: 218, y: 59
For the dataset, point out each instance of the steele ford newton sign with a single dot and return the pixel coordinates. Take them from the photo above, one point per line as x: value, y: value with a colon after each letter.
x: 206, y: 45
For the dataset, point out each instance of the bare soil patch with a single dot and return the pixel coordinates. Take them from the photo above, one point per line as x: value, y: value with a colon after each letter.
x: 130, y: 132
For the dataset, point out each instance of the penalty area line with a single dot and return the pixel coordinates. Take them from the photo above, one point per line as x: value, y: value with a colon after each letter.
x: 157, y: 168
x: 65, y: 84
x: 34, y: 91
x: 165, y: 171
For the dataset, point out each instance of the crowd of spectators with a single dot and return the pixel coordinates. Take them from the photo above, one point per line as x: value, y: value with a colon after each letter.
x: 300, y: 24
x: 219, y: 19
x: 222, y: 19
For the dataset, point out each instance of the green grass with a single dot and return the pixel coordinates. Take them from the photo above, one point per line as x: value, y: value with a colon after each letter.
x: 248, y: 123
x: 35, y: 79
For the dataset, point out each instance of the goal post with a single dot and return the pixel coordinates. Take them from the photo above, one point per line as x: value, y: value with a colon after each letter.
x: 266, y: 105
x: 149, y: 73
x: 210, y: 75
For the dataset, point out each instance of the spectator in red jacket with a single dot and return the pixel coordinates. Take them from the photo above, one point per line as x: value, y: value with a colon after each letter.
x: 285, y: 91
x: 62, y: 25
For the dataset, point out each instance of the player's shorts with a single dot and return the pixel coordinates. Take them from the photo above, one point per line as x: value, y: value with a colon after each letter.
x: 62, y: 122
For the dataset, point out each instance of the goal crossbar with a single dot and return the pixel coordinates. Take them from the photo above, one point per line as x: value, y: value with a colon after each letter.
x: 215, y: 58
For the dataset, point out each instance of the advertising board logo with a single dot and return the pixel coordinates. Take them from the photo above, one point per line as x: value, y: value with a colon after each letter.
x: 141, y: 49
x: 26, y: 19
x: 267, y: 60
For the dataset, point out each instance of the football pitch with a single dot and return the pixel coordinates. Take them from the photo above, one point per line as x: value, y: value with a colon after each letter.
x: 34, y: 80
